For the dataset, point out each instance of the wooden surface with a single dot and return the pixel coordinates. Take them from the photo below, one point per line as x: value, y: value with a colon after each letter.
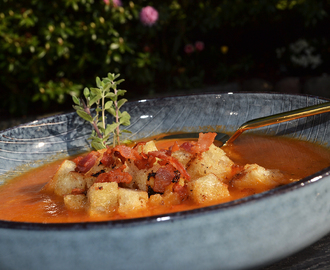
x: 316, y: 256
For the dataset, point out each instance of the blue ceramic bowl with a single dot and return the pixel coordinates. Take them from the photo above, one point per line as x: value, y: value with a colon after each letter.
x: 245, y: 233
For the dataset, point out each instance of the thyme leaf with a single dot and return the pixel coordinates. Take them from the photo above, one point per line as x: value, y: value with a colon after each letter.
x: 104, y: 98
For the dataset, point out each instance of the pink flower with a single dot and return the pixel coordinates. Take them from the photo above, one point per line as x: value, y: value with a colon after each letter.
x: 117, y: 3
x: 189, y: 48
x: 199, y: 45
x: 148, y: 16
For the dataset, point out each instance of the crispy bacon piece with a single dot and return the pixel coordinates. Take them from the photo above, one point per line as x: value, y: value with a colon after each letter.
x: 124, y: 152
x: 203, y: 144
x: 187, y: 146
x: 144, y: 161
x: 182, y: 191
x: 108, y: 159
x: 77, y: 159
x: 141, y: 160
x: 139, y: 144
x: 116, y: 175
x: 85, y: 163
x: 175, y: 147
x: 164, y: 176
x: 171, y: 160
x: 205, y: 140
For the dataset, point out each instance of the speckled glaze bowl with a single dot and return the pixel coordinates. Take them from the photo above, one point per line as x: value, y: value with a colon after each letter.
x: 245, y: 233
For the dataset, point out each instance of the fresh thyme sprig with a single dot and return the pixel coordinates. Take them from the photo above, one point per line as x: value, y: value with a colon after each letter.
x: 106, y: 99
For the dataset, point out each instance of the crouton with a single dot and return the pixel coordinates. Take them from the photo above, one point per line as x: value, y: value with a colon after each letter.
x: 214, y: 161
x: 66, y: 183
x: 141, y: 178
x: 182, y: 156
x: 131, y: 200
x: 60, y: 175
x: 75, y: 202
x: 167, y: 199
x: 66, y: 179
x: 258, y: 178
x: 207, y: 189
x: 149, y: 147
x: 156, y: 199
x: 102, y: 198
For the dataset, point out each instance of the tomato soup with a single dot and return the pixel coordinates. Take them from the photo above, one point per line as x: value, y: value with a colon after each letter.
x: 22, y: 198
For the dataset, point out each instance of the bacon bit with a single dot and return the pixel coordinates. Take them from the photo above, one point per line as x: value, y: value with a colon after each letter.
x: 107, y: 159
x: 205, y: 140
x: 141, y: 161
x: 116, y: 175
x: 187, y: 146
x: 175, y: 147
x: 164, y: 177
x: 125, y: 152
x: 77, y: 159
x: 182, y: 191
x: 173, y: 161
x: 139, y: 144
x: 203, y: 144
x: 121, y: 151
x: 87, y: 162
x: 144, y: 162
x: 78, y: 191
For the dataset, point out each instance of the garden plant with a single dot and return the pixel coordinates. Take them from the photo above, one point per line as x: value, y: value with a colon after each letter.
x: 52, y: 50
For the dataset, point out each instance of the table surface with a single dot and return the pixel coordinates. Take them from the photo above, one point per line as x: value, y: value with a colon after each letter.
x: 316, y: 256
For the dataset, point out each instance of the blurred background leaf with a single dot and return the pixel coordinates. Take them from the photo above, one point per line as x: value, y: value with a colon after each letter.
x: 50, y: 50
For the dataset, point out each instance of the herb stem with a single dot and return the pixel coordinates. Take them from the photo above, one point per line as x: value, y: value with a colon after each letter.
x: 87, y: 110
x: 117, y: 117
x: 103, y: 112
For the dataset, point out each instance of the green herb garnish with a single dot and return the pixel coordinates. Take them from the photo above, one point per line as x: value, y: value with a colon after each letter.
x: 106, y: 99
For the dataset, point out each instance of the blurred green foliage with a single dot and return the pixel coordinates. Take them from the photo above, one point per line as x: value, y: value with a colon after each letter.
x: 50, y: 50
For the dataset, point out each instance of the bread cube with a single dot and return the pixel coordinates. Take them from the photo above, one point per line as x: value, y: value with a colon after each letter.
x: 131, y: 200
x: 68, y: 182
x: 214, y: 161
x: 141, y: 178
x: 102, y: 198
x: 149, y: 147
x: 156, y: 199
x: 258, y: 178
x: 167, y: 199
x: 89, y: 180
x: 207, y: 189
x: 60, y: 175
x: 66, y: 179
x: 75, y: 202
x: 182, y: 156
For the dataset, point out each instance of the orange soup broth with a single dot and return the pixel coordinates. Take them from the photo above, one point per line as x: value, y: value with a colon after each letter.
x: 22, y: 198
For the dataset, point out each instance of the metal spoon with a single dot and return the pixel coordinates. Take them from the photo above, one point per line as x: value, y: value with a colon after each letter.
x: 261, y: 122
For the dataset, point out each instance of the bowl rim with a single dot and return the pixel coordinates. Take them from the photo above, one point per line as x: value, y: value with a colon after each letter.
x: 169, y: 217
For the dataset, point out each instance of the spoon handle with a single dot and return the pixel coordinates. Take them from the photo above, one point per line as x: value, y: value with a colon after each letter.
x: 279, y: 118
